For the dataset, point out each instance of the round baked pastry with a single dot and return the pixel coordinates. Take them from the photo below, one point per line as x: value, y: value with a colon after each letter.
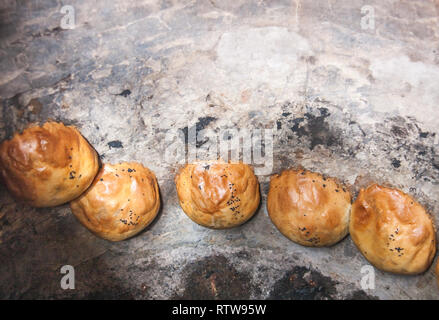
x: 49, y: 165
x: 308, y: 208
x: 217, y: 194
x: 392, y: 230
x: 122, y: 200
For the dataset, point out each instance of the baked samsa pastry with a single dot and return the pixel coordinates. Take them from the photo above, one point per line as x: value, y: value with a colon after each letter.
x: 217, y: 194
x: 123, y: 199
x: 49, y: 165
x: 392, y: 230
x: 308, y: 208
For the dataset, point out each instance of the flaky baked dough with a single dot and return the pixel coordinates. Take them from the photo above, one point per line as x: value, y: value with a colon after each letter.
x: 392, y: 230
x: 216, y: 194
x: 123, y: 199
x: 308, y: 208
x: 49, y: 165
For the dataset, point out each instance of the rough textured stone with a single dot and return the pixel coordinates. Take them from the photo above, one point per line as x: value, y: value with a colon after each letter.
x: 361, y: 105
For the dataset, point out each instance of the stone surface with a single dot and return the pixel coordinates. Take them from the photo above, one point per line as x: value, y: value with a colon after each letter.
x: 360, y: 105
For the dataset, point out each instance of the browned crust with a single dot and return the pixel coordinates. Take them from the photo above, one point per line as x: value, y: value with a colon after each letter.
x: 47, y: 165
x: 123, y: 200
x: 309, y: 208
x: 392, y: 230
x: 217, y: 194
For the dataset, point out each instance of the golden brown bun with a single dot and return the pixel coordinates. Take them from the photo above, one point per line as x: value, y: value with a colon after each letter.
x: 49, y: 165
x: 392, y: 230
x: 218, y: 195
x: 308, y: 208
x: 123, y: 199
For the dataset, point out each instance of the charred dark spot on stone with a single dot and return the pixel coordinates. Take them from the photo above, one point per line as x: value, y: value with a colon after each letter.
x: 435, y: 162
x: 48, y: 32
x: 201, y: 124
x: 302, y: 283
x: 101, y: 281
x: 396, y: 163
x: 316, y: 128
x: 216, y: 278
x: 361, y: 295
x: 319, y: 129
x: 355, y: 123
x: 420, y: 157
x: 125, y: 93
x: 115, y: 144
x: 278, y: 125
x: 297, y: 128
x: 204, y: 122
x: 399, y: 131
